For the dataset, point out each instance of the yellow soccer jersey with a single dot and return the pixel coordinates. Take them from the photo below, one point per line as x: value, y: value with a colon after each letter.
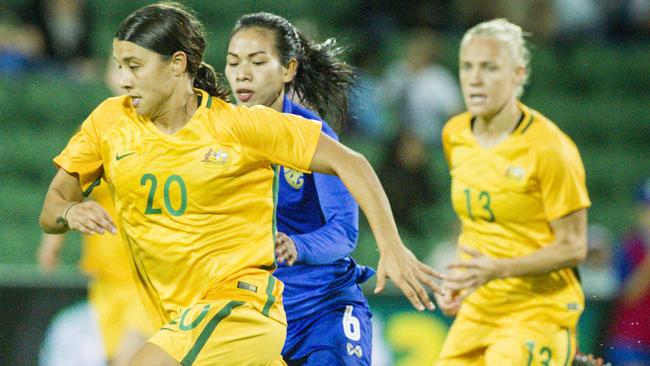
x: 505, y: 197
x: 197, y: 207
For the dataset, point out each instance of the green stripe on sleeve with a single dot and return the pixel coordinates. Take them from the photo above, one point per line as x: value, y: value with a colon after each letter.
x: 87, y: 192
x: 191, y: 356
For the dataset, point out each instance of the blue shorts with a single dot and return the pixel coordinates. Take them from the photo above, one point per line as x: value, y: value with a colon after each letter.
x: 340, y: 336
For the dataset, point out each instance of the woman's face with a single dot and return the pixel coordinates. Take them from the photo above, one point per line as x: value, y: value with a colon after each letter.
x: 145, y: 76
x: 254, y: 70
x: 488, y: 76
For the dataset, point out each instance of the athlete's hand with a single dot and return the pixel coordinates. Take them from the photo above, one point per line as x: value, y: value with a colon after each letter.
x: 449, y: 303
x: 89, y: 217
x: 468, y: 275
x: 285, y: 249
x: 408, y: 273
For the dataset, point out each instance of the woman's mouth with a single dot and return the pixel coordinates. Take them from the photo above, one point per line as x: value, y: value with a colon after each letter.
x: 244, y: 95
x: 135, y: 101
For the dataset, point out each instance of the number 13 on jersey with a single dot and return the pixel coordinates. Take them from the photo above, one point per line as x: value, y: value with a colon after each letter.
x: 478, y: 205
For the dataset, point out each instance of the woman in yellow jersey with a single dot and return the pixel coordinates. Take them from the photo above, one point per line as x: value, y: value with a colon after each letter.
x: 112, y: 293
x: 194, y: 181
x: 518, y: 187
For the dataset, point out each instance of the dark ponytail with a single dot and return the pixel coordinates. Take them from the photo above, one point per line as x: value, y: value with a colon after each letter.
x: 168, y: 27
x: 322, y: 80
x: 208, y: 79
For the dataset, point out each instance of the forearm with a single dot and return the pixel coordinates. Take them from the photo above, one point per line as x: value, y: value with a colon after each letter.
x: 64, y: 191
x: 52, y: 218
x: 331, y: 242
x: 568, y: 250
x: 545, y: 260
x: 338, y: 235
x: 362, y: 182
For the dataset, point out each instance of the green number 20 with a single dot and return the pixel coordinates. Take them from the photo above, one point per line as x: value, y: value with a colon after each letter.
x: 484, y: 198
x: 150, y: 210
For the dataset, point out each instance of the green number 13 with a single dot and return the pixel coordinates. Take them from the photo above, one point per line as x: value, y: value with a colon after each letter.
x: 150, y: 210
x: 485, y: 201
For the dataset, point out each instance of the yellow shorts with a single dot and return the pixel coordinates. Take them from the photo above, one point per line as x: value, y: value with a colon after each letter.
x: 222, y: 332
x: 474, y: 343
x: 119, y: 311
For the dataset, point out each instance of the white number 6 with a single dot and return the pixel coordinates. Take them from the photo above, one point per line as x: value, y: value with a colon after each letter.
x: 351, y: 325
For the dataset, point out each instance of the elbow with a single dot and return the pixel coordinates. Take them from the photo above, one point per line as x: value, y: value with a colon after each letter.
x: 47, y: 226
x: 358, y: 161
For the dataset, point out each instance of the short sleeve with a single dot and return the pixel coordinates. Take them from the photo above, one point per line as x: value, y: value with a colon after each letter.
x: 280, y: 138
x: 562, y: 179
x: 82, y: 156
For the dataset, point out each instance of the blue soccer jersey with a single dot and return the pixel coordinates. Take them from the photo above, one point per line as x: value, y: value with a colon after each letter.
x: 319, y: 214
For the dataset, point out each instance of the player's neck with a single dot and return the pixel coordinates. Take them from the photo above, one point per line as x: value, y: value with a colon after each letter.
x: 489, y: 131
x: 278, y: 103
x: 178, y: 110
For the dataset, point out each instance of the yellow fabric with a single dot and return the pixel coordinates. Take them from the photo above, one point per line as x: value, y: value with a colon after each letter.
x: 222, y: 333
x: 119, y: 311
x: 105, y: 257
x: 112, y: 291
x: 472, y: 342
x: 196, y: 208
x: 505, y: 197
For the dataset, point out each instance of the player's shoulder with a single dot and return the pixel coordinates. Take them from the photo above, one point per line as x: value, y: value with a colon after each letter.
x: 113, y: 106
x: 542, y: 132
x: 304, y: 112
x: 455, y: 127
x: 458, y: 122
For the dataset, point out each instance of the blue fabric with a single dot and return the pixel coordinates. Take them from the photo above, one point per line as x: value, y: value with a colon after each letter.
x: 322, y: 218
x: 323, y: 340
x: 624, y: 354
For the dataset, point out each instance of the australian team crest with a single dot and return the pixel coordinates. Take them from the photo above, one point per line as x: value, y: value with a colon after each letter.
x: 515, y: 172
x: 216, y: 157
x: 294, y: 178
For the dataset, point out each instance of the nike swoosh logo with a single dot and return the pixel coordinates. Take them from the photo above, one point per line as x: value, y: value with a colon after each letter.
x: 120, y: 157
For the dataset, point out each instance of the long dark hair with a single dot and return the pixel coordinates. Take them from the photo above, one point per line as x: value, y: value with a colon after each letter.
x: 322, y: 80
x: 168, y: 27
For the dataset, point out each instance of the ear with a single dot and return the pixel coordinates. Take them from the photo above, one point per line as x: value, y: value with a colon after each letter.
x: 290, y: 71
x: 520, y: 75
x: 179, y: 63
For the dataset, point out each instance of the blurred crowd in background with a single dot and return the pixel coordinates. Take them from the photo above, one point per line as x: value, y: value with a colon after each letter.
x: 405, y: 54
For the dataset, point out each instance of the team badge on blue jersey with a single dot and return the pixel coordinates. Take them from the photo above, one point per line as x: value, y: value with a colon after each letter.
x: 294, y: 178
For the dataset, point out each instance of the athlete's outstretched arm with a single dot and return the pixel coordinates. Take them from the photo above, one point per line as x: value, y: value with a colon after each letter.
x: 64, y: 209
x: 396, y: 261
x: 568, y: 250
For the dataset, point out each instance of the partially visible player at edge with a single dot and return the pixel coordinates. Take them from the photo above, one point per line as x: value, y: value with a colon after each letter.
x: 518, y: 187
x: 328, y: 316
x: 194, y: 183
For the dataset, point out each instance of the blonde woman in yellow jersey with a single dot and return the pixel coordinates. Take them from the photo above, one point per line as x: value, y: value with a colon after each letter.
x: 518, y: 187
x: 112, y: 293
x: 194, y: 183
